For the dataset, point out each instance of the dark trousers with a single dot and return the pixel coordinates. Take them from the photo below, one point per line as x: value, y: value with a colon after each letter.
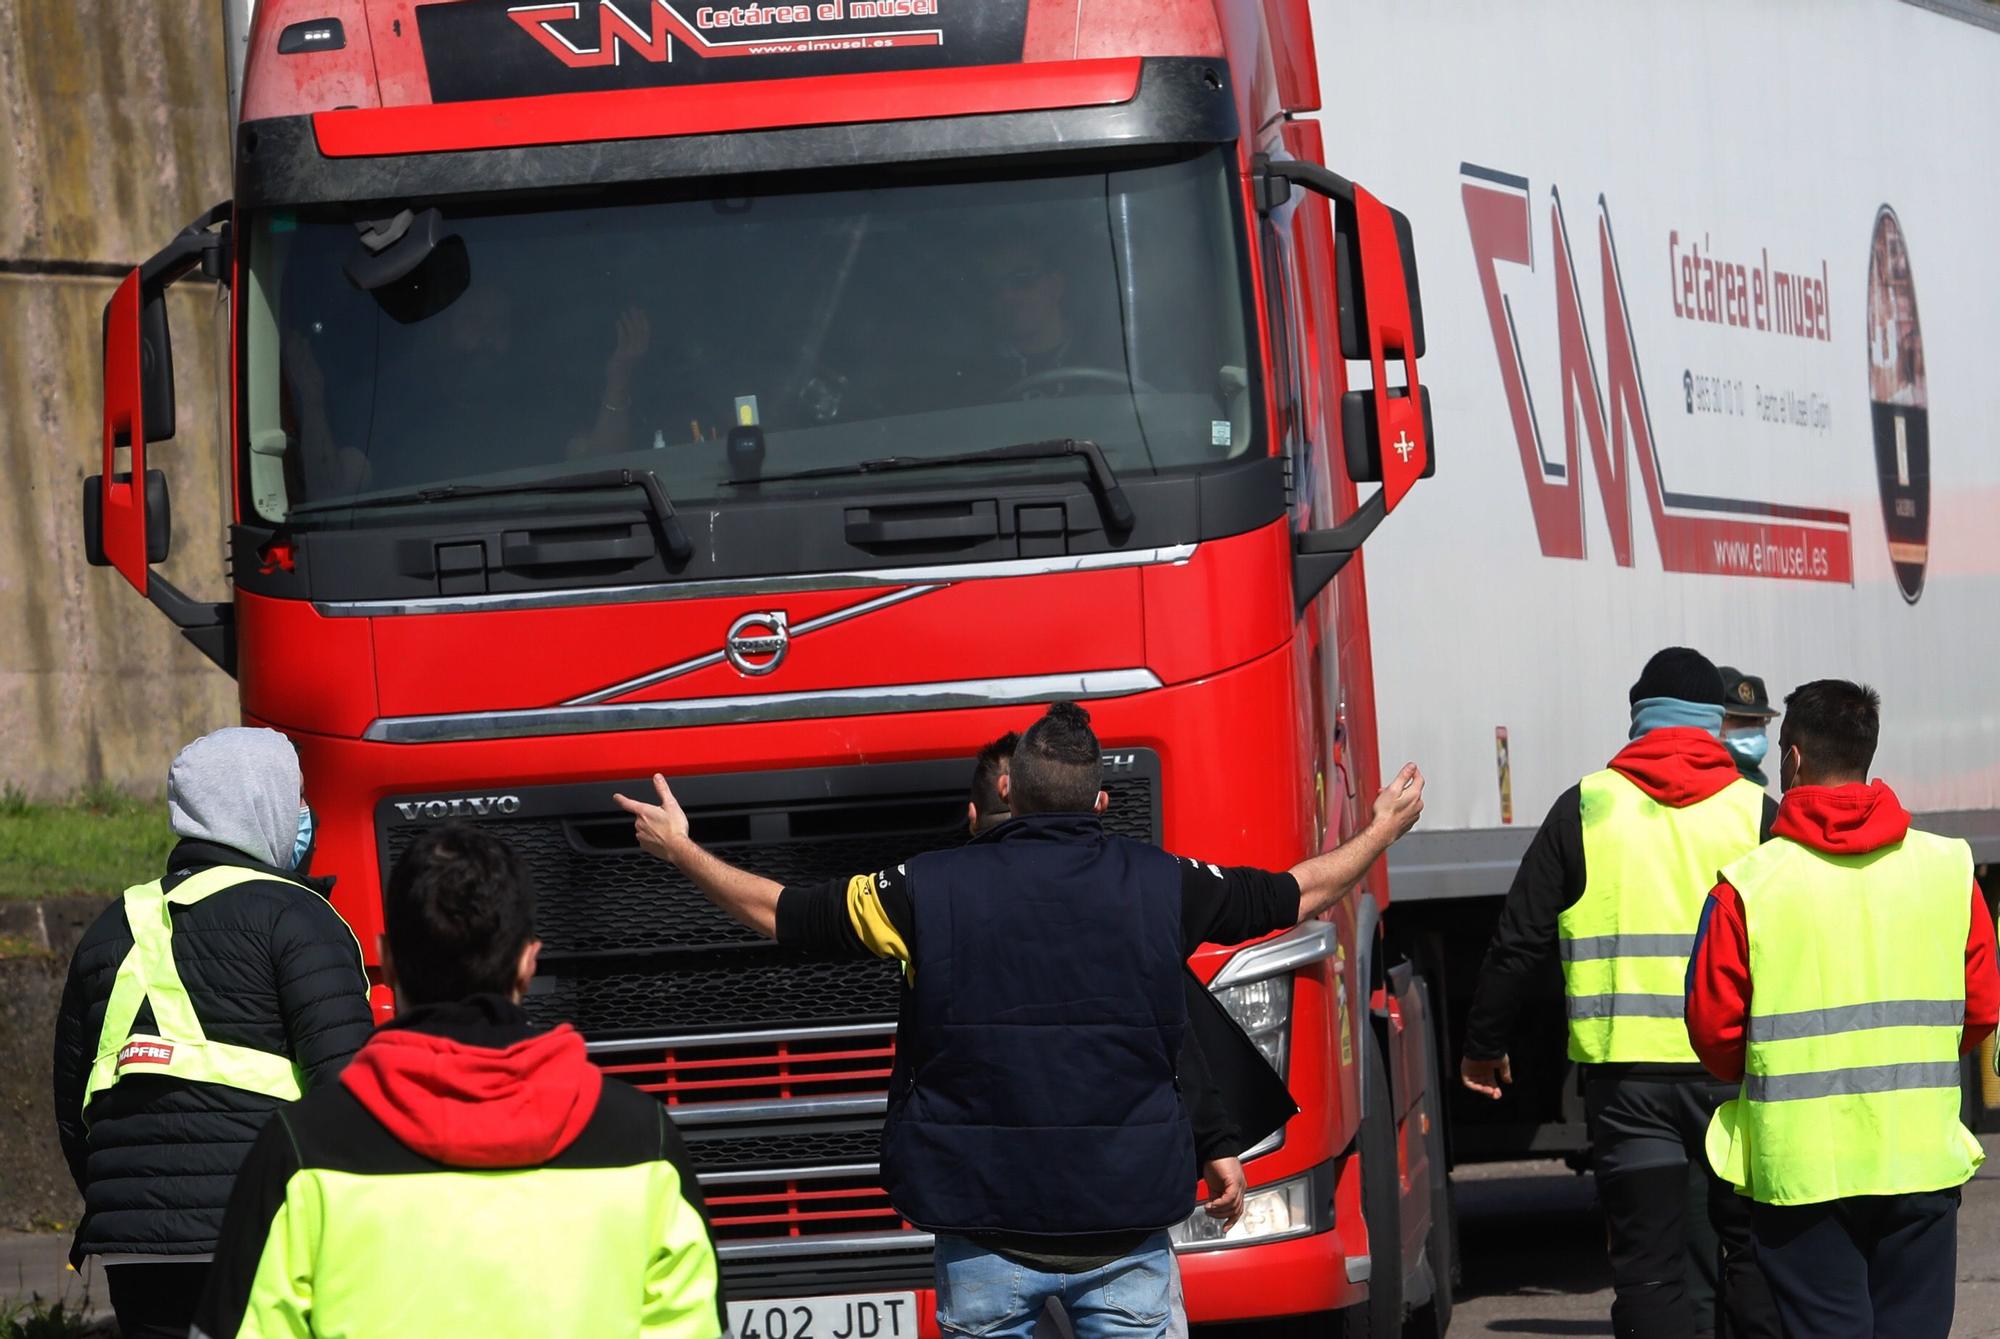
x: 1644, y: 1133
x: 1703, y: 1255
x: 155, y: 1301
x: 1872, y: 1267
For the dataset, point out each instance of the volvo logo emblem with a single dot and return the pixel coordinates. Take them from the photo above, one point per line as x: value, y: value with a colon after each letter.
x: 466, y: 806
x: 757, y: 642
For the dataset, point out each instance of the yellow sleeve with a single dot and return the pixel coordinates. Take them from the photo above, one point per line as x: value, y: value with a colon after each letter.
x: 878, y: 934
x: 681, y: 1299
x: 280, y: 1305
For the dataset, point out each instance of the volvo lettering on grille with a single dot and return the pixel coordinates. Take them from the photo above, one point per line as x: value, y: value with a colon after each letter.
x: 757, y: 642
x: 465, y: 806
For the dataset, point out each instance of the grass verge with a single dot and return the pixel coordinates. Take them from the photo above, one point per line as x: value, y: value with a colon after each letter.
x: 101, y: 841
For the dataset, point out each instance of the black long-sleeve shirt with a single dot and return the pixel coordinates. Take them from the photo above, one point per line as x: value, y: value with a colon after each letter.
x: 1548, y: 883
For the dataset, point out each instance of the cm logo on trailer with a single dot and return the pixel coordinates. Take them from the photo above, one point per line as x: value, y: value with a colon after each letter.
x: 1608, y: 414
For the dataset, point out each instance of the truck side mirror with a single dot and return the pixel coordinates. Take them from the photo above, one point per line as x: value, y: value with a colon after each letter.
x: 156, y: 367
x: 1361, y: 436
x: 120, y: 534
x: 1353, y: 295
x: 159, y: 518
x: 127, y: 520
x: 1386, y: 429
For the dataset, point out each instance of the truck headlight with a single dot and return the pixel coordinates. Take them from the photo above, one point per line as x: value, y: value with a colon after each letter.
x: 1263, y: 1009
x: 1270, y: 1213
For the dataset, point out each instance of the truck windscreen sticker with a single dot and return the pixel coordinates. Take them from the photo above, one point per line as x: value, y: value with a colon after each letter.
x: 1606, y: 416
x: 476, y: 49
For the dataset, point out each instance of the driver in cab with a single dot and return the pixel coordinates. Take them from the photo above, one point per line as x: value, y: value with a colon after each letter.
x: 1036, y: 347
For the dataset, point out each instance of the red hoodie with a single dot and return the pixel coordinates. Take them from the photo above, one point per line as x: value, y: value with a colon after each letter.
x: 466, y: 1105
x: 1840, y: 820
x: 1676, y: 766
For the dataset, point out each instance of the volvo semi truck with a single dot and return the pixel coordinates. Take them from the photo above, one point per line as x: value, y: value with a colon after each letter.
x: 791, y: 398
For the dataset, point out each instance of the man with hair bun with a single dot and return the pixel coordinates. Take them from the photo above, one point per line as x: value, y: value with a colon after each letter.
x: 1034, y: 1124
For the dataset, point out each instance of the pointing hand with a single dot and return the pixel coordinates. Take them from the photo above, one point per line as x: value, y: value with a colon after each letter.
x: 661, y: 828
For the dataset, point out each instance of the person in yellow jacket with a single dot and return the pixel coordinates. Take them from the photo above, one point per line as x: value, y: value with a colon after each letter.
x: 1841, y: 970
x: 196, y: 1004
x: 470, y: 1173
x: 1612, y: 885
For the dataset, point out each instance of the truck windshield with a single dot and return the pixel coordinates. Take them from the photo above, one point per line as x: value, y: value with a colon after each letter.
x: 915, y: 316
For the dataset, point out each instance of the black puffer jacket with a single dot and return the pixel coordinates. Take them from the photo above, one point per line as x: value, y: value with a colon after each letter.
x: 266, y: 965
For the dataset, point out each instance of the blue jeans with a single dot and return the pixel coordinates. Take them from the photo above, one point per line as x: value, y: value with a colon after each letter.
x: 984, y: 1295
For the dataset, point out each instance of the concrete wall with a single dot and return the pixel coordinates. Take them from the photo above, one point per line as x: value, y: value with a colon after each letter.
x: 116, y: 135
x: 36, y: 940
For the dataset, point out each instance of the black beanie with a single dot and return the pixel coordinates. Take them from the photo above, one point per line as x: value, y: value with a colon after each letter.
x: 1679, y: 672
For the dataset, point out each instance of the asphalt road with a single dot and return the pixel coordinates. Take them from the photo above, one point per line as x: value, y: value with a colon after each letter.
x: 1533, y: 1249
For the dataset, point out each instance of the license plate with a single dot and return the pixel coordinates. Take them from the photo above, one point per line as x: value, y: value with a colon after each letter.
x: 864, y: 1316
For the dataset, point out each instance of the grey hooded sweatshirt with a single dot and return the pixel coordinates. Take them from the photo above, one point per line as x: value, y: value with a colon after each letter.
x: 239, y: 788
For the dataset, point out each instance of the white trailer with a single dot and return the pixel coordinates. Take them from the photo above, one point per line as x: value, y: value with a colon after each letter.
x: 1712, y: 295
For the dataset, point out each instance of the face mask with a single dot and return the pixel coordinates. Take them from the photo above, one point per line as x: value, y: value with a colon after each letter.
x: 303, y: 842
x: 1748, y: 746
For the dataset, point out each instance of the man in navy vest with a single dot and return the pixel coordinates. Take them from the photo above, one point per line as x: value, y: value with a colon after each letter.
x: 1034, y: 1121
x: 1234, y: 1102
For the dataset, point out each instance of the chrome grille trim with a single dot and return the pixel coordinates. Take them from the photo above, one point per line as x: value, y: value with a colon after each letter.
x: 756, y: 1175
x: 861, y: 1243
x: 859, y: 578
x: 715, y: 657
x: 868, y: 700
x: 790, y: 1109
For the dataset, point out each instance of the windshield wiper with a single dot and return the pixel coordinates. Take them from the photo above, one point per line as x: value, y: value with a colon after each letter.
x: 673, y: 538
x: 1111, y: 501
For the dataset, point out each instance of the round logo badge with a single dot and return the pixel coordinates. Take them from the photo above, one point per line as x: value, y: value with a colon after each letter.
x: 1898, y: 404
x: 757, y: 642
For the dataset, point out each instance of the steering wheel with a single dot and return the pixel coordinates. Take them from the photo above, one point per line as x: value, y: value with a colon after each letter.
x: 1054, y: 375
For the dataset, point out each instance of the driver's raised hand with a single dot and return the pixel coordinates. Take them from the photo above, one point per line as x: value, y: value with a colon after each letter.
x: 634, y: 336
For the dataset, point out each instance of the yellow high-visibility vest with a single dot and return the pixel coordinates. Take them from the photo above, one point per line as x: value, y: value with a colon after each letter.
x: 177, y: 1044
x: 1625, y: 943
x: 1857, y: 970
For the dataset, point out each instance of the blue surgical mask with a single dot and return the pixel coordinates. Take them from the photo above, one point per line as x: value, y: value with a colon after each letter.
x: 302, y: 844
x: 1748, y: 745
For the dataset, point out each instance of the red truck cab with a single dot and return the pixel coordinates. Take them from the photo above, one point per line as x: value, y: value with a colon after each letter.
x: 792, y: 398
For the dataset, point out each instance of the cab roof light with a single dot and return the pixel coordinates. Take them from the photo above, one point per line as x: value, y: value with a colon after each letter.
x: 312, y: 36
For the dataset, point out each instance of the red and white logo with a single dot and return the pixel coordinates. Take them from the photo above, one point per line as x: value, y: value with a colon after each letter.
x: 1606, y: 422
x: 651, y: 30
x: 146, y: 1053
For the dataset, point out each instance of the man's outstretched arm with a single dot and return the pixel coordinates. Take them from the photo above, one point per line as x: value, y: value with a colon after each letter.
x: 1325, y: 878
x: 663, y: 831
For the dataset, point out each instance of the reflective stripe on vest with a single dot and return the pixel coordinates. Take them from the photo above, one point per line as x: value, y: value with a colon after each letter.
x: 1857, y: 970
x: 177, y: 1046
x: 1625, y: 943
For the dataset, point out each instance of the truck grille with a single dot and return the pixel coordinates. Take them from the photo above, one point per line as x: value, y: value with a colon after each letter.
x: 772, y: 1067
x: 752, y: 987
x: 776, y: 1065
